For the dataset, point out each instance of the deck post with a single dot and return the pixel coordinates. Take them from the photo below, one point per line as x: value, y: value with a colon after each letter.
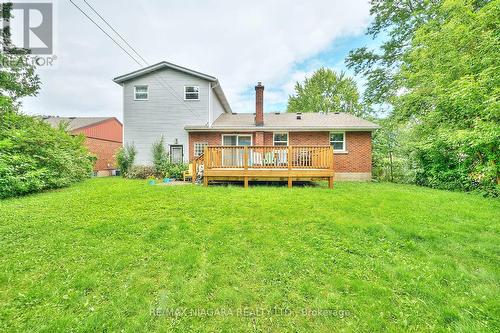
x: 193, y: 174
x: 289, y: 158
x: 290, y: 163
x: 245, y: 165
x: 205, y: 181
x: 332, y: 167
x: 245, y: 158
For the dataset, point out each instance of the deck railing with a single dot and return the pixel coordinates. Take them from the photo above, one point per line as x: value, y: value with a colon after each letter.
x: 268, y: 157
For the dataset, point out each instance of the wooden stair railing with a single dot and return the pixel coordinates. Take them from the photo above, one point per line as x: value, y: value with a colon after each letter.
x: 197, y: 162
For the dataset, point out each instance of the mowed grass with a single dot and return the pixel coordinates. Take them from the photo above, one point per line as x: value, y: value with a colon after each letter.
x: 121, y: 255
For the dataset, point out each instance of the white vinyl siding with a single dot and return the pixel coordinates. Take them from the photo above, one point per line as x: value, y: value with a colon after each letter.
x: 164, y: 113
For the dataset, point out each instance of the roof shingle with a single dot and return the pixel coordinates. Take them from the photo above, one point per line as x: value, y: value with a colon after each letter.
x: 74, y: 122
x: 289, y: 121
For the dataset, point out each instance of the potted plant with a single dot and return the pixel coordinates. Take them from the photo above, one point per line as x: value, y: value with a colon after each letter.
x: 151, y: 180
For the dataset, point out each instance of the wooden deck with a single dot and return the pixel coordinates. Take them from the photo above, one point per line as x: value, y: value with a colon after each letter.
x: 267, y: 163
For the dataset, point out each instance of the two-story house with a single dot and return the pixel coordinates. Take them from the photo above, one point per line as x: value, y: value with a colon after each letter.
x: 161, y: 100
x: 189, y: 109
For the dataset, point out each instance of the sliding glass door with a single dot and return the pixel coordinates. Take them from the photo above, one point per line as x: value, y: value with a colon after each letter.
x: 237, y: 140
x: 234, y: 157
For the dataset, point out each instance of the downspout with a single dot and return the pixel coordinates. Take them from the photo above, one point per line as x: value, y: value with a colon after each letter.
x: 209, y: 104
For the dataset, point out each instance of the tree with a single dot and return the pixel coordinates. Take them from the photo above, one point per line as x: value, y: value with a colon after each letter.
x: 326, y: 91
x: 392, y: 160
x: 125, y: 158
x: 452, y: 96
x: 35, y: 157
x: 160, y: 157
x: 395, y: 21
x: 17, y: 76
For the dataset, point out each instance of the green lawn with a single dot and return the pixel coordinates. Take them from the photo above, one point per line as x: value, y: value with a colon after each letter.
x: 112, y: 255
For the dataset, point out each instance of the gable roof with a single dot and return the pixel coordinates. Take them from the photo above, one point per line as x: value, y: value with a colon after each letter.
x: 75, y: 122
x: 165, y: 64
x: 288, y: 121
x: 162, y: 65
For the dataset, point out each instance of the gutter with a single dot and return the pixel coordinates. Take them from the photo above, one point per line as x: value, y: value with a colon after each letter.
x: 270, y: 129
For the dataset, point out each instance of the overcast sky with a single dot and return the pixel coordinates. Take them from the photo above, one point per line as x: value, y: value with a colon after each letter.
x: 239, y: 42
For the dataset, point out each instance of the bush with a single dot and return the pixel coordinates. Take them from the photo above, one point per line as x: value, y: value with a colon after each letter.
x: 125, y: 158
x: 141, y: 172
x: 35, y: 157
x: 161, y: 168
x: 175, y: 170
x: 160, y: 158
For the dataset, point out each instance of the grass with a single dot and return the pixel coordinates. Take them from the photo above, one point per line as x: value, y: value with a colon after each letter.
x: 112, y: 255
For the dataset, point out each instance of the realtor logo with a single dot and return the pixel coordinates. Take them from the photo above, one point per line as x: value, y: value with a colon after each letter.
x: 27, y: 26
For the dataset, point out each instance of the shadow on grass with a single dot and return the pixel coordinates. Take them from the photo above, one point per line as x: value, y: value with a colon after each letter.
x: 264, y: 184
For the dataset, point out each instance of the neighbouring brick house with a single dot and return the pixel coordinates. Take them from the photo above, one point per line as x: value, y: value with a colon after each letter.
x: 190, y: 111
x: 103, y: 138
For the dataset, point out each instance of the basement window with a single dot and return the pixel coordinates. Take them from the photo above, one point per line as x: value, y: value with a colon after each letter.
x: 337, y: 141
x: 191, y: 93
x: 141, y: 93
x: 199, y: 148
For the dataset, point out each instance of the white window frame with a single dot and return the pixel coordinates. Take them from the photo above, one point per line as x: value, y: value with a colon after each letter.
x: 185, y: 92
x: 237, y: 138
x: 203, y: 144
x: 147, y: 92
x: 287, y: 138
x: 343, y: 141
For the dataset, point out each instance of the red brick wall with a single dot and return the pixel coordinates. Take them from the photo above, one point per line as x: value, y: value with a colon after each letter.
x: 358, y: 145
x: 105, y: 152
x: 258, y: 138
x: 309, y: 138
x: 359, y: 153
x: 268, y: 139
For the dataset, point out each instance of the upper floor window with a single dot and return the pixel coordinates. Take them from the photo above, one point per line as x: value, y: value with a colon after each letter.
x: 141, y: 93
x: 191, y: 93
x: 280, y: 139
x: 337, y: 140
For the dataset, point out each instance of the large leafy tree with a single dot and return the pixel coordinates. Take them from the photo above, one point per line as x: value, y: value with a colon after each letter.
x: 451, y: 98
x: 17, y: 75
x: 326, y: 91
x: 395, y: 23
x: 437, y: 69
x: 33, y: 155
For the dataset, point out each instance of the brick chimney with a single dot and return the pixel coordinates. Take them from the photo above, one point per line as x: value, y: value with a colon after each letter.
x: 259, y: 104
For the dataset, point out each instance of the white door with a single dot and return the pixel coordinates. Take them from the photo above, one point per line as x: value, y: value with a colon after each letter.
x: 176, y: 154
